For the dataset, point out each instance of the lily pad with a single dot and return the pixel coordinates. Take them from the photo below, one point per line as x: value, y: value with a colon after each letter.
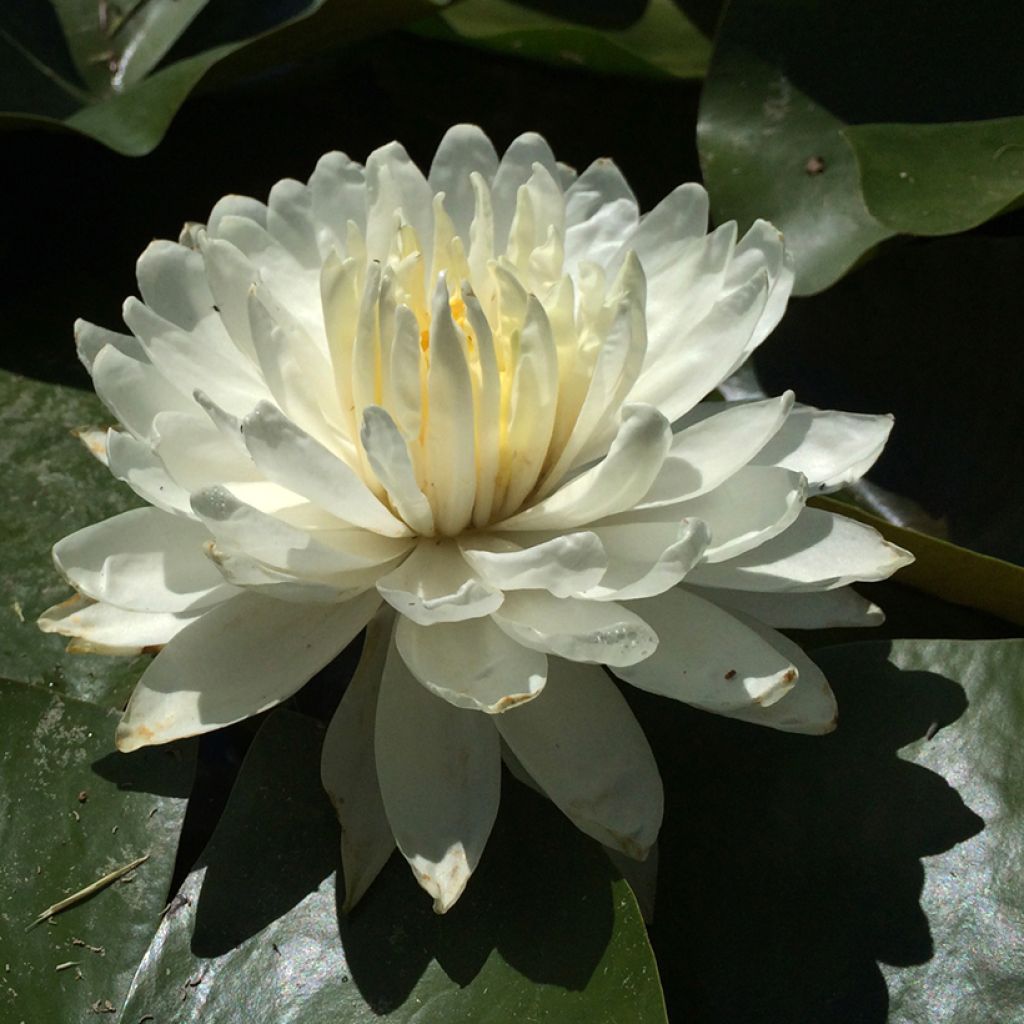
x: 98, y: 68
x: 54, y: 487
x: 256, y: 932
x: 657, y: 40
x: 787, y: 79
x: 72, y: 809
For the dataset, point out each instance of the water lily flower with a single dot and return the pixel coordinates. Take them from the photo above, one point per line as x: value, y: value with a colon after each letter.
x: 467, y: 412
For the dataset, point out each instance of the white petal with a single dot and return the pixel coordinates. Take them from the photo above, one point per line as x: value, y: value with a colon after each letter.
x: 615, y: 484
x: 709, y: 451
x: 388, y: 455
x: 338, y: 185
x: 134, y: 390
x: 646, y: 557
x: 707, y: 657
x: 348, y: 769
x: 752, y: 506
x: 563, y: 565
x: 289, y: 456
x: 393, y: 183
x: 173, y: 283
x: 436, y: 584
x: 440, y: 775
x: 449, y: 446
x: 820, y: 551
x: 90, y: 340
x: 196, y: 453
x: 809, y: 708
x: 592, y: 631
x: 831, y: 449
x: 463, y: 150
x: 471, y: 664
x: 99, y: 628
x: 515, y: 169
x: 678, y: 377
x: 581, y: 743
x: 238, y: 526
x: 145, y: 560
x: 237, y: 660
x: 822, y: 609
x: 290, y: 221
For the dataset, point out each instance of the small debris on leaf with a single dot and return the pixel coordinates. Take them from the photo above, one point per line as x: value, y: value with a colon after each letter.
x: 815, y: 165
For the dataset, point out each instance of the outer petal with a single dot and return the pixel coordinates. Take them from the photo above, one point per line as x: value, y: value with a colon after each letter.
x: 594, y: 631
x: 471, y: 664
x: 822, y: 609
x: 237, y: 660
x: 707, y: 657
x: 831, y: 449
x: 98, y: 628
x: 820, y: 551
x: 436, y: 584
x: 134, y: 462
x: 348, y: 769
x: 145, y: 560
x: 583, y: 746
x: 440, y: 778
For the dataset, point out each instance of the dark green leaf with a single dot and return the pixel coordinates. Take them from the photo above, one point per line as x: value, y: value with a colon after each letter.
x: 71, y: 810
x: 787, y: 78
x: 544, y: 932
x: 792, y: 867
x: 937, y: 179
x: 53, y: 487
x: 94, y: 67
x: 657, y: 40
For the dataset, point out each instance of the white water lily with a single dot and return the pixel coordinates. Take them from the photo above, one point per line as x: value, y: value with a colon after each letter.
x: 467, y: 411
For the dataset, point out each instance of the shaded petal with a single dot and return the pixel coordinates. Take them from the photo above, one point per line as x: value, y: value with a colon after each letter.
x: 440, y: 777
x: 388, y: 455
x: 463, y: 150
x: 516, y: 169
x: 348, y: 768
x: 708, y: 452
x: 822, y: 609
x: 436, y: 584
x: 135, y: 463
x: 99, y: 628
x: 707, y: 657
x: 471, y: 664
x: 144, y: 559
x: 755, y: 504
x: 820, y: 551
x: 393, y: 183
x: 583, y: 746
x: 563, y: 565
x: 290, y: 457
x: 237, y: 660
x: 615, y: 484
x: 592, y: 631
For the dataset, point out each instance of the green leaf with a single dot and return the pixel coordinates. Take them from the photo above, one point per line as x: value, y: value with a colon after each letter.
x: 769, y: 150
x: 95, y: 68
x: 660, y: 42
x: 802, y: 875
x: 937, y: 179
x: 71, y: 810
x: 544, y: 932
x: 53, y: 487
x: 788, y: 78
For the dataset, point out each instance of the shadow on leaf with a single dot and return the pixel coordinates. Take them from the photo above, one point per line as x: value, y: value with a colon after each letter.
x: 790, y: 865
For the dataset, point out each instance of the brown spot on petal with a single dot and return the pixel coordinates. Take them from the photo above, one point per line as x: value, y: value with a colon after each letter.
x: 731, y: 674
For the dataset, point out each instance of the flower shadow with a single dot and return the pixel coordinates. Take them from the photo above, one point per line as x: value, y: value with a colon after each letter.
x: 541, y: 901
x: 805, y: 871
